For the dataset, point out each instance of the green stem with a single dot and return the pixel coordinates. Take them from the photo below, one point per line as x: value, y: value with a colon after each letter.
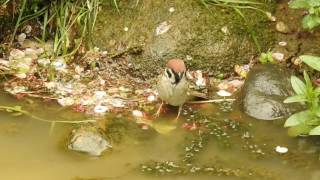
x: 41, y: 119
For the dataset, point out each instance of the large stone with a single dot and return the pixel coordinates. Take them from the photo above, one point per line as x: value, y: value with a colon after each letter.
x: 213, y: 39
x: 88, y: 139
x: 264, y: 91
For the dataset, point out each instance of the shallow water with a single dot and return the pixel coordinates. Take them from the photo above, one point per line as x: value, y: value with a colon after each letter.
x: 30, y: 150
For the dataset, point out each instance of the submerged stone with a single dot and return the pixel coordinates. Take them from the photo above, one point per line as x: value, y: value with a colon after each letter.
x: 88, y: 140
x: 264, y: 91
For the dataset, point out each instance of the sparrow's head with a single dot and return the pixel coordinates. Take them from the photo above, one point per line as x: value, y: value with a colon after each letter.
x: 175, y: 70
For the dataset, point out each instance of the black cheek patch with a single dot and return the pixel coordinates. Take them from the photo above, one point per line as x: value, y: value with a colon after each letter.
x: 169, y: 73
x: 177, y: 78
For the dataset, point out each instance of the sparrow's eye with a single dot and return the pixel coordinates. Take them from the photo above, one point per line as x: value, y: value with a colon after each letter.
x: 168, y: 73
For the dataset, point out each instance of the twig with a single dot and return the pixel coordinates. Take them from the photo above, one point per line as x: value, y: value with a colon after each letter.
x: 210, y: 101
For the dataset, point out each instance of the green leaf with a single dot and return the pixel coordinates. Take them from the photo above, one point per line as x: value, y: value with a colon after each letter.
x: 310, y: 21
x: 308, y: 82
x: 314, y: 3
x: 317, y: 91
x: 312, y: 61
x: 299, y: 130
x: 315, y: 131
x: 298, y: 118
x: 299, y: 4
x: 296, y: 98
x: 298, y: 86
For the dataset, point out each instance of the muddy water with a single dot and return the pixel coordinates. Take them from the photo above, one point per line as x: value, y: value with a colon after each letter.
x: 30, y: 150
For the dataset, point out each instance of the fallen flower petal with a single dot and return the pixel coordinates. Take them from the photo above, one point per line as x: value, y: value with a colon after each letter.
x: 223, y: 93
x: 100, y: 109
x: 281, y: 150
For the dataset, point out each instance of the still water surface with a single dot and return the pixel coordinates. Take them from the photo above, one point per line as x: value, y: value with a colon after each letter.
x: 30, y: 152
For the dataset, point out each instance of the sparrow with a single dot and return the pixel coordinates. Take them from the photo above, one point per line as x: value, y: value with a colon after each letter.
x: 173, y: 85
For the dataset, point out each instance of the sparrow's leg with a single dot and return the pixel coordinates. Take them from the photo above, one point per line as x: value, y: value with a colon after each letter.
x: 179, y: 112
x: 157, y: 114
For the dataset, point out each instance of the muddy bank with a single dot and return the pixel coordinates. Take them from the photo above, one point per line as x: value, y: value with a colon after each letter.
x: 213, y: 39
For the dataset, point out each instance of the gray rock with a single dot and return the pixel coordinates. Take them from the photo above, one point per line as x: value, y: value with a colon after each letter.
x: 264, y: 91
x: 88, y: 140
x: 190, y: 31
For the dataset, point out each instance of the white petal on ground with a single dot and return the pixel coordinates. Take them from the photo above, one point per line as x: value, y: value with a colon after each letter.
x: 43, y: 61
x: 28, y: 29
x: 22, y: 37
x: 17, y: 54
x: 283, y: 43
x: 100, y: 109
x: 223, y: 93
x: 117, y: 103
x: 59, y: 64
x: 151, y: 98
x: 278, y: 56
x: 67, y: 101
x: 281, y: 149
x: 100, y: 94
x: 21, y: 75
x: 163, y: 28
x: 137, y: 113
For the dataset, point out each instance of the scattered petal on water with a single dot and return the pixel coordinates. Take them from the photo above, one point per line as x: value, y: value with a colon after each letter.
x: 223, y: 93
x: 145, y: 127
x: 126, y: 29
x: 163, y: 28
x: 171, y: 9
x: 137, y: 113
x: 99, y: 109
x: 281, y: 150
x: 67, y: 101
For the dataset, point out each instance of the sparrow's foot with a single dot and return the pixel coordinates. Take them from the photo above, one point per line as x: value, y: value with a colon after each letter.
x: 179, y: 112
x: 157, y: 114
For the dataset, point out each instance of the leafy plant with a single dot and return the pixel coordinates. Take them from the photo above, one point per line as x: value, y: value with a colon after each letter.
x: 306, y: 122
x: 71, y: 22
x: 311, y: 20
x: 266, y: 58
